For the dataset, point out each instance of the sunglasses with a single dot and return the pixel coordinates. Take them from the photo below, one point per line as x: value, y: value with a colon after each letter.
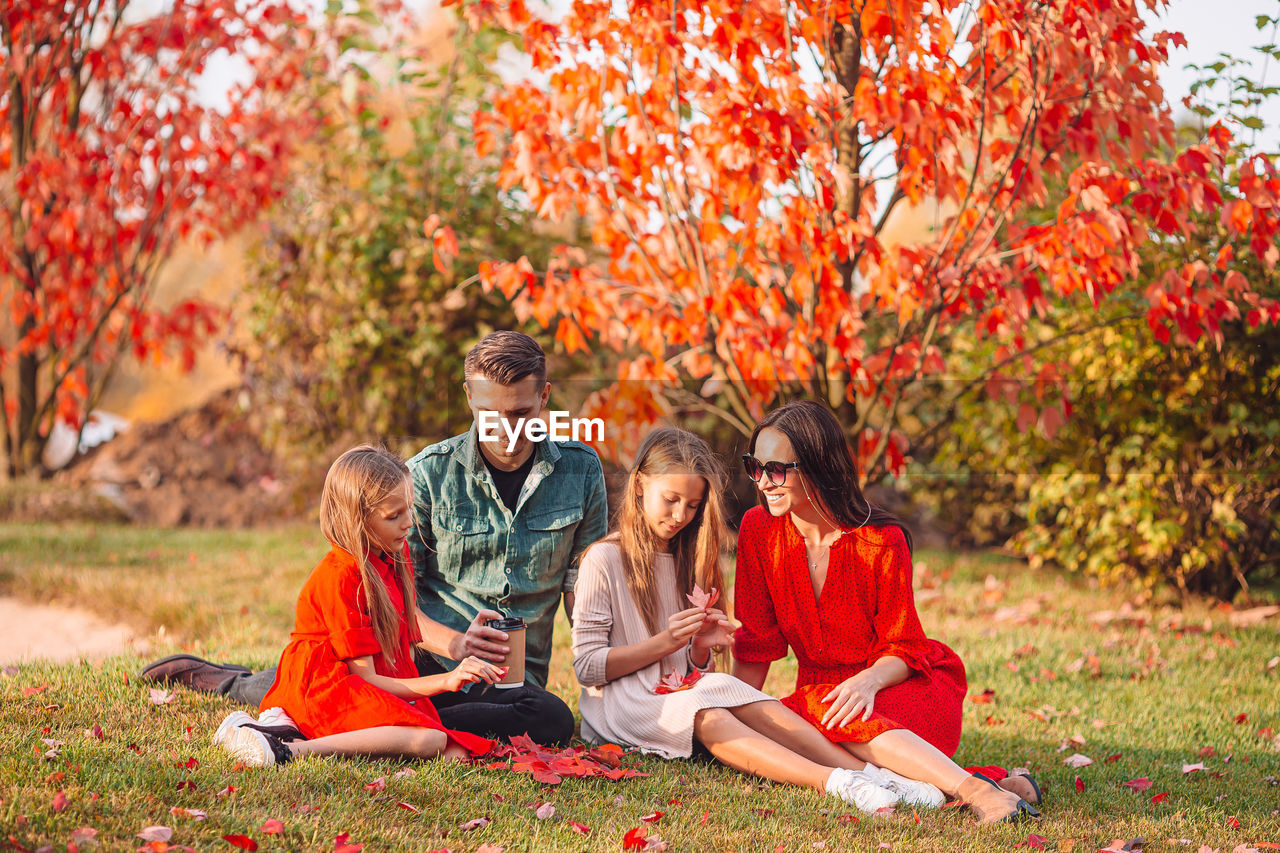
x: 777, y: 471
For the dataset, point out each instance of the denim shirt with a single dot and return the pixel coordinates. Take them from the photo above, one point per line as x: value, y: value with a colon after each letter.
x: 470, y: 552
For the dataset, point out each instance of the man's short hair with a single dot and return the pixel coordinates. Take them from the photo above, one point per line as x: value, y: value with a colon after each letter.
x: 506, y: 357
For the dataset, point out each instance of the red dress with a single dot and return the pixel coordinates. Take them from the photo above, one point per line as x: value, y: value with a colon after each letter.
x: 866, y: 611
x: 313, y: 684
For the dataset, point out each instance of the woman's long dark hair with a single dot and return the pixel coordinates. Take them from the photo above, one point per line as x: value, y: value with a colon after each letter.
x: 826, y: 463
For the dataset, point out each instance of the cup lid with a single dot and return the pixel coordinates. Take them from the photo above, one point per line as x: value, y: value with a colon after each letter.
x: 507, y: 623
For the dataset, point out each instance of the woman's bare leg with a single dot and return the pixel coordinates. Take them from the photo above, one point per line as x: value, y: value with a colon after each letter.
x: 409, y: 741
x: 782, y: 725
x: 906, y: 753
x: 743, y: 748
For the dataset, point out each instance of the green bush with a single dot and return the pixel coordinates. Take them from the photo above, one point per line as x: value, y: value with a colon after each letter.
x: 359, y: 329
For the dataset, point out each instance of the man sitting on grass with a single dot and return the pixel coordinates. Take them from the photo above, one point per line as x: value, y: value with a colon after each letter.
x: 498, y: 530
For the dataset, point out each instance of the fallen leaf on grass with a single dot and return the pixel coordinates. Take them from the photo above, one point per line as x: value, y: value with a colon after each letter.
x: 1035, y: 842
x: 1079, y: 785
x: 1142, y: 783
x: 1160, y: 797
x: 490, y: 848
x: 1111, y: 759
x: 545, y: 811
x: 1233, y: 823
x: 377, y: 784
x: 404, y: 773
x: 652, y: 817
x: 194, y: 814
x: 156, y: 833
x: 59, y: 802
x: 271, y: 827
x: 475, y: 823
x: 1192, y: 768
x: 1241, y: 719
x: 550, y: 766
x: 1077, y: 760
x: 160, y: 696
x: 698, y: 598
x: 409, y: 807
x: 32, y: 691
x: 227, y: 791
x: 580, y: 828
x: 84, y: 834
x: 983, y: 698
x: 95, y: 732
x: 244, y: 842
x: 10, y: 671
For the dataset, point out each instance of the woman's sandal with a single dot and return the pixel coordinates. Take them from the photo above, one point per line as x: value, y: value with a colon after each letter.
x: 1024, y: 785
x: 990, y: 803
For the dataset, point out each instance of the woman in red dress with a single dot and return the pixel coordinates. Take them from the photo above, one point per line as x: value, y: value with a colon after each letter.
x: 347, y: 683
x: 822, y: 571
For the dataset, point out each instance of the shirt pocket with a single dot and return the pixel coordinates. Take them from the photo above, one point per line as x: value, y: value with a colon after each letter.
x: 463, y: 543
x: 551, y: 534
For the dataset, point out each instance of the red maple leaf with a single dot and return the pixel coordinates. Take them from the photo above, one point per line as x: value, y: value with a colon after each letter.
x: 635, y: 838
x: 673, y: 682
x: 705, y: 600
x: 1142, y: 783
x: 244, y: 842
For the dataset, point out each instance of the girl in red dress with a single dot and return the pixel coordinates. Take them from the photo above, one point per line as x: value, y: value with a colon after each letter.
x: 347, y: 683
x: 822, y: 571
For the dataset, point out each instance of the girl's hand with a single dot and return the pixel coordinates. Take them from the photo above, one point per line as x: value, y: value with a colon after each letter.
x: 683, y: 625
x: 853, y: 696
x: 716, y: 631
x: 472, y: 670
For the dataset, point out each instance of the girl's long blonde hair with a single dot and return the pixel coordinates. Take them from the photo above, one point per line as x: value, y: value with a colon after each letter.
x: 696, y: 548
x: 358, y: 481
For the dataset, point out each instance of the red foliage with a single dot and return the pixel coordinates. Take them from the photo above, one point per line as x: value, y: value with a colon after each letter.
x: 673, y: 682
x: 551, y: 766
x: 745, y: 204
x: 113, y: 156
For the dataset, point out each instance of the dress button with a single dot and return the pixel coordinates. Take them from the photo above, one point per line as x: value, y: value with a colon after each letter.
x: 459, y: 525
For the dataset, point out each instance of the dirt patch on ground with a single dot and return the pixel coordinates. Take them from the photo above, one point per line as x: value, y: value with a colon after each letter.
x: 205, y: 467
x: 43, y: 632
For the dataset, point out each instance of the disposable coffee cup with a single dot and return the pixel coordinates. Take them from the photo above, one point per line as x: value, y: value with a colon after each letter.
x: 513, y: 627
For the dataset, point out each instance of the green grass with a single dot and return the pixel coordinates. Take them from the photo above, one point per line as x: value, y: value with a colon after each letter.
x: 1165, y: 688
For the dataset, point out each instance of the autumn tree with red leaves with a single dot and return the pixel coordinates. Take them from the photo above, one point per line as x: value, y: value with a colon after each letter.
x: 109, y: 157
x: 744, y: 166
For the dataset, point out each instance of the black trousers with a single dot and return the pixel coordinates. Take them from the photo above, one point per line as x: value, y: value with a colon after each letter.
x: 502, y: 713
x: 483, y: 710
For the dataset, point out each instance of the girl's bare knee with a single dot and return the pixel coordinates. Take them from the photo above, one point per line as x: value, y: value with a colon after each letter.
x: 709, y: 719
x: 428, y: 743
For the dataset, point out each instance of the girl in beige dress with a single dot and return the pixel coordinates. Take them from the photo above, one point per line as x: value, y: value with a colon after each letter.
x: 645, y: 638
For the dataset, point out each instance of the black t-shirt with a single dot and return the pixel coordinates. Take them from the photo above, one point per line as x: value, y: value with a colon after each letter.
x: 509, y: 483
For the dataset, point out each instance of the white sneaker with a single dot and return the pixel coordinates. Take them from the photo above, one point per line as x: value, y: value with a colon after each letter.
x: 226, y: 729
x: 257, y: 749
x: 860, y: 790
x: 276, y: 717
x: 912, y: 791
